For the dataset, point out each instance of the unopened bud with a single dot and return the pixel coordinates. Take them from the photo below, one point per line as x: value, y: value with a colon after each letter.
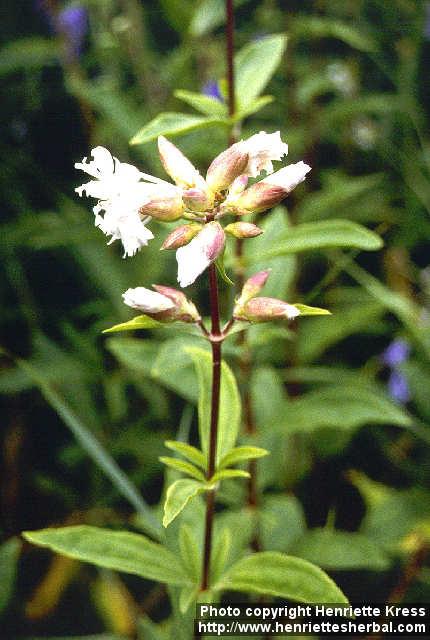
x: 150, y: 302
x: 268, y: 192
x: 243, y: 230
x: 197, y: 200
x: 250, y: 289
x: 226, y: 167
x: 178, y: 166
x: 181, y: 235
x: 164, y: 304
x: 266, y: 309
x: 185, y: 310
x: 238, y: 186
x: 196, y: 256
x: 165, y: 203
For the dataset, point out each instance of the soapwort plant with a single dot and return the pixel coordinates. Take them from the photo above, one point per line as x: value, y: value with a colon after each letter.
x: 240, y: 181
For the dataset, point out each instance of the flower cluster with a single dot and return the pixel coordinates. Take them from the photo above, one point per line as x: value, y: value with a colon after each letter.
x: 128, y: 199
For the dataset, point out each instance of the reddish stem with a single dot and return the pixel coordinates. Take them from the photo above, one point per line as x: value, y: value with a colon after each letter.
x: 215, y: 338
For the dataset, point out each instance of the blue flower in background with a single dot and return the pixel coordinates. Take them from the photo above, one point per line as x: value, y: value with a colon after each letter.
x: 394, y: 355
x: 72, y: 23
x: 398, y: 387
x: 211, y: 89
x: 396, y: 352
x: 427, y: 22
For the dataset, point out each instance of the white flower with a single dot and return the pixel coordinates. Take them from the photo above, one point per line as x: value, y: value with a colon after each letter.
x: 146, y: 300
x: 289, y: 177
x: 121, y: 193
x: 198, y: 254
x: 262, y: 148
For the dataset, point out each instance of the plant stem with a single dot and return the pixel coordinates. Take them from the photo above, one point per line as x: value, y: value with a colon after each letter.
x: 215, y: 338
x: 245, y: 359
x: 230, y: 59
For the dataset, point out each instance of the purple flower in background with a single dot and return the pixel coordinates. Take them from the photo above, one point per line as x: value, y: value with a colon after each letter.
x: 211, y: 89
x: 396, y: 352
x: 427, y: 22
x: 398, y: 387
x: 72, y: 23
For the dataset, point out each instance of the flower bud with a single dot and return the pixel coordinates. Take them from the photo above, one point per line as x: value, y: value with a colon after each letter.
x: 178, y: 166
x: 164, y: 304
x: 197, y: 200
x: 181, y: 235
x: 268, y: 192
x: 165, y: 203
x: 226, y: 167
x: 265, y: 309
x: 238, y: 186
x: 185, y: 310
x: 251, y: 288
x: 243, y: 230
x: 150, y: 302
x: 196, y: 256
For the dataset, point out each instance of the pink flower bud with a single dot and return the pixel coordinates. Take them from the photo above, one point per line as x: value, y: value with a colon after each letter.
x: 197, y: 200
x: 181, y: 235
x: 165, y: 203
x: 185, y: 310
x: 226, y: 167
x: 265, y: 309
x: 250, y: 289
x: 268, y: 192
x: 196, y: 256
x: 178, y: 166
x: 243, y: 230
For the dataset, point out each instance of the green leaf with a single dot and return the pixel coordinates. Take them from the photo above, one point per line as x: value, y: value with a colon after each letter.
x: 341, y: 550
x: 225, y: 474
x: 276, y: 574
x: 230, y: 408
x: 187, y: 596
x: 208, y: 15
x: 205, y: 104
x: 239, y: 454
x: 405, y: 309
x: 9, y: 554
x: 322, y: 235
x: 188, y: 451
x: 118, y: 550
x: 282, y: 522
x: 342, y: 407
x: 306, y: 310
x: 322, y: 27
x: 190, y: 552
x: 283, y: 268
x: 177, y: 497
x: 165, y: 362
x: 255, y: 64
x: 252, y: 107
x: 219, y: 263
x: 184, y: 467
x: 350, y: 319
x: 27, y: 54
x: 220, y: 553
x: 93, y: 448
x: 139, y: 322
x: 172, y: 124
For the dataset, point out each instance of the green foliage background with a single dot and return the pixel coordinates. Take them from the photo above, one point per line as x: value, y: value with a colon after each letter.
x: 85, y: 416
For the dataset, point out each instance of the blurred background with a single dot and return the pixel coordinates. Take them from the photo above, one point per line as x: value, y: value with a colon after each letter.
x: 349, y: 395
